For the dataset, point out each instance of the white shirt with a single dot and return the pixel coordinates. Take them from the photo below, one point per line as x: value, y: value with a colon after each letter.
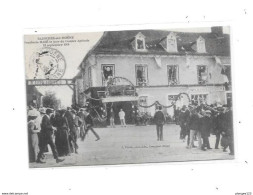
x: 122, y: 114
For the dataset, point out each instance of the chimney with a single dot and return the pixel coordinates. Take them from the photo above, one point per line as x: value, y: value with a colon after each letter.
x: 217, y: 30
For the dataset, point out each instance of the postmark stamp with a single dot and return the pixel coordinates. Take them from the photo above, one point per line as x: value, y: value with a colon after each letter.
x: 47, y: 63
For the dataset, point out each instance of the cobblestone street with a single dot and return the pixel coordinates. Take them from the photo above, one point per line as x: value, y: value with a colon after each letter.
x: 134, y: 144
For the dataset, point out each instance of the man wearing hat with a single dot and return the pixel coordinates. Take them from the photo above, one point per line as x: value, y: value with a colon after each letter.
x: 74, y: 131
x: 206, y: 126
x: 47, y: 132
x: 83, y: 125
x: 219, y: 125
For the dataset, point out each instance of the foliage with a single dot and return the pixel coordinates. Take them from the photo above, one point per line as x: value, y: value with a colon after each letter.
x: 50, y: 100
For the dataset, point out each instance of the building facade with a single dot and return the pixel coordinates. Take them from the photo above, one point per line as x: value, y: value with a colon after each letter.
x: 160, y: 65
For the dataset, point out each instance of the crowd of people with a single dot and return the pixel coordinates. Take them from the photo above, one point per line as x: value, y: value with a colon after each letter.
x: 59, y: 129
x: 200, y: 122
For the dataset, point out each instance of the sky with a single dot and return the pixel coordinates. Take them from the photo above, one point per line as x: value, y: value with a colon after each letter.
x: 73, y: 54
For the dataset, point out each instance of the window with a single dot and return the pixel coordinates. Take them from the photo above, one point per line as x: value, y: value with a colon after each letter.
x: 202, y: 75
x: 107, y: 73
x: 197, y: 99
x: 229, y: 99
x: 172, y: 74
x: 143, y: 101
x: 140, y: 44
x: 89, y: 77
x: 141, y: 75
x: 172, y: 98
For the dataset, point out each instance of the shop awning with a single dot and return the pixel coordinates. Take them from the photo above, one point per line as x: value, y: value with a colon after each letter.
x: 119, y: 99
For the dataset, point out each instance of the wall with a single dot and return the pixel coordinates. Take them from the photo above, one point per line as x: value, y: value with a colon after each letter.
x: 125, y: 67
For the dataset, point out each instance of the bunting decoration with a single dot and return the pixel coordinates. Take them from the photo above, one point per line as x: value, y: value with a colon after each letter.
x: 158, y: 103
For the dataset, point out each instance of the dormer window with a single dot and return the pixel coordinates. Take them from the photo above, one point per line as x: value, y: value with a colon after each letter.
x: 169, y: 43
x: 140, y: 42
x: 201, y: 45
x: 172, y: 42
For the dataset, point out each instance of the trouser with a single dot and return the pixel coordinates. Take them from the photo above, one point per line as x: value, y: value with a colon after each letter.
x: 92, y: 130
x: 82, y: 132
x: 72, y: 141
x: 199, y: 139
x: 231, y: 144
x: 159, y: 130
x: 112, y: 122
x: 47, y: 138
x: 122, y: 121
x: 205, y: 142
x: 217, y: 142
x: 191, y: 142
x: 183, y: 131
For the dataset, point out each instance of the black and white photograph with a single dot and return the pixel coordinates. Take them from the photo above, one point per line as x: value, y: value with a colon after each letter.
x: 129, y: 97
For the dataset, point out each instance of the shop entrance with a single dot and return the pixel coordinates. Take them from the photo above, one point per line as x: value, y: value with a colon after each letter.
x: 127, y: 108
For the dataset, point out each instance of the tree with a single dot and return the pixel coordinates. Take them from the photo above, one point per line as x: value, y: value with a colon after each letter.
x: 50, y: 100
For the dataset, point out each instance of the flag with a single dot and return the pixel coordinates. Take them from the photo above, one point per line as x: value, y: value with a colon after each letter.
x: 158, y: 61
x: 217, y: 60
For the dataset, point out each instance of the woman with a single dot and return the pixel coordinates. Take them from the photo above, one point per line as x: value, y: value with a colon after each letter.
x: 33, y: 138
x: 61, y: 135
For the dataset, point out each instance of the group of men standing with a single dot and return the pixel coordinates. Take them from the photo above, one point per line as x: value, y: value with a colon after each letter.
x: 59, y: 129
x: 199, y: 122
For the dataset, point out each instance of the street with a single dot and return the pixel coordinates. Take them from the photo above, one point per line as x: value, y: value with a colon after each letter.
x: 134, y: 144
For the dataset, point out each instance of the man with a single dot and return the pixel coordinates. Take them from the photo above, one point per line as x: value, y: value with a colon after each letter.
x: 206, y: 126
x: 112, y: 116
x: 194, y: 126
x: 122, y: 118
x: 74, y: 133
x: 47, y: 132
x: 71, y: 126
x: 229, y: 133
x: 83, y: 125
x: 89, y: 125
x: 184, y: 118
x: 219, y: 125
x: 159, y: 120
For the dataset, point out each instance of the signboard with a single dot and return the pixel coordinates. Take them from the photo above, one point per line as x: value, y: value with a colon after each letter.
x: 43, y: 82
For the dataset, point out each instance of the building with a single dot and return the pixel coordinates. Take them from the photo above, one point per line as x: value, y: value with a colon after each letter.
x: 158, y: 65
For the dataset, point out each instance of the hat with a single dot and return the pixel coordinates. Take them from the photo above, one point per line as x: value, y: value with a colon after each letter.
x: 49, y: 111
x: 208, y: 112
x: 33, y: 113
x: 220, y: 109
x: 73, y: 111
x: 42, y: 110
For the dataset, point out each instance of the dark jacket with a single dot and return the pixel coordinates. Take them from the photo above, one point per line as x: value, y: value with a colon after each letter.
x: 194, y: 122
x: 206, y: 126
x: 219, y: 123
x: 159, y: 118
x: 70, y: 120
x: 46, y: 125
x: 89, y: 120
x: 184, y: 117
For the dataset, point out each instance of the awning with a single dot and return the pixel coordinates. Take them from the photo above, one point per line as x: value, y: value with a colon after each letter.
x: 119, y: 99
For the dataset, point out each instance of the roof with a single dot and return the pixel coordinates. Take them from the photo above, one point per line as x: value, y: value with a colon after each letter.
x: 119, y: 42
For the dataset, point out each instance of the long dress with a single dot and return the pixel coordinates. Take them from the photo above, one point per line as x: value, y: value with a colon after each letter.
x: 61, y: 136
x: 33, y: 141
